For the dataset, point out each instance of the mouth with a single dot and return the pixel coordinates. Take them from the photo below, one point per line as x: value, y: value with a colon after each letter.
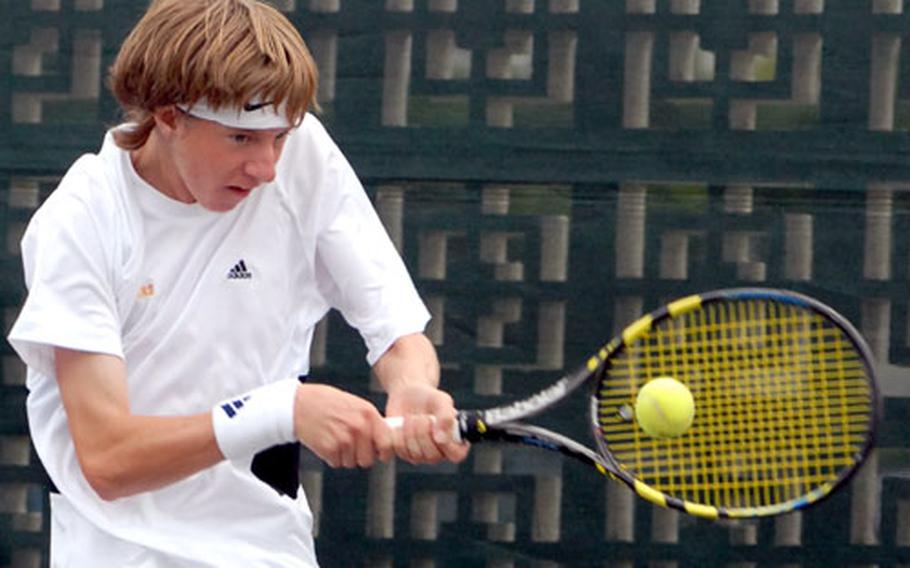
x: 240, y: 189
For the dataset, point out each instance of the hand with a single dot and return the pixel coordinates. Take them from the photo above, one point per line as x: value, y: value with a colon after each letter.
x: 342, y: 429
x: 429, y: 419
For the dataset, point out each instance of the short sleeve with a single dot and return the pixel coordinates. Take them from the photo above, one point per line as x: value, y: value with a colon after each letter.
x: 67, y: 267
x: 364, y: 276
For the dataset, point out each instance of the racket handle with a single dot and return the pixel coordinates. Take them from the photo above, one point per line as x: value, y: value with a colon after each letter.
x: 398, y: 422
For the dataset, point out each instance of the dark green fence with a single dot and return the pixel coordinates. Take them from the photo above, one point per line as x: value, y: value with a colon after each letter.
x: 549, y: 170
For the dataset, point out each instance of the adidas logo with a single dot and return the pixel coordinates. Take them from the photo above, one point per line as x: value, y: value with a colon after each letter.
x: 239, y: 271
x: 233, y: 407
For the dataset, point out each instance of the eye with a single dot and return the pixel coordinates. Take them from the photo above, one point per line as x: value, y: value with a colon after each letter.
x: 240, y: 138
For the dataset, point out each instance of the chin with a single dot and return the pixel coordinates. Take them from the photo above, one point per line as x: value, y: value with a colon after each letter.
x: 225, y: 202
x: 224, y: 208
x: 219, y: 206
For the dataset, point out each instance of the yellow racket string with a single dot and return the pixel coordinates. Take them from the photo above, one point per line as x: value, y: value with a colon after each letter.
x: 782, y: 404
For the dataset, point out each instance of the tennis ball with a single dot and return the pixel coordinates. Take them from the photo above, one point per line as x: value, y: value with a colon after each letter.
x: 664, y: 408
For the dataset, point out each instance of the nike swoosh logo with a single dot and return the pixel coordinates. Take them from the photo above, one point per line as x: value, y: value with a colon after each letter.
x: 249, y: 107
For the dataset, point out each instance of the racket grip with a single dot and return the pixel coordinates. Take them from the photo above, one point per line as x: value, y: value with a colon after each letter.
x: 398, y: 422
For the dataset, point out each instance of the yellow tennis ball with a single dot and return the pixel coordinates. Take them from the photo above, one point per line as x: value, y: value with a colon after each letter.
x: 664, y: 408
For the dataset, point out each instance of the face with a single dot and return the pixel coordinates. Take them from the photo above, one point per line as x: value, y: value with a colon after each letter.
x: 217, y: 166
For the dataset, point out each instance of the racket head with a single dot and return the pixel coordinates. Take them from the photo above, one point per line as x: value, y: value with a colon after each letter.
x: 785, y: 395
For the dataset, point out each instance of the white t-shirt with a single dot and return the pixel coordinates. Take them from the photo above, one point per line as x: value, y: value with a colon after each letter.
x: 201, y: 306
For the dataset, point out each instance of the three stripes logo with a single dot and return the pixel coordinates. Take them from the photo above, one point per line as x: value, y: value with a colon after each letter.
x: 239, y: 272
x: 233, y: 407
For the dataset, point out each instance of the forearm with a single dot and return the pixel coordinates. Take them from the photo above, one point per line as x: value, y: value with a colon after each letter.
x: 143, y: 453
x: 121, y: 453
x: 411, y: 360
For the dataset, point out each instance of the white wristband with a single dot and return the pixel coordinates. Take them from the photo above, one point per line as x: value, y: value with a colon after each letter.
x: 256, y: 420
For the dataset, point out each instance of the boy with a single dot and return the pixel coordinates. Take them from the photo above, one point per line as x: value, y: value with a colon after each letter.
x: 175, y: 279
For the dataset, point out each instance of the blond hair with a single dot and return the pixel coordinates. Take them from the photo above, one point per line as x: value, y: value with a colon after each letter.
x: 225, y: 51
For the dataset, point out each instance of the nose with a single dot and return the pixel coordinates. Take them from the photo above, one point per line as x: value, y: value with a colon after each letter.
x: 261, y: 164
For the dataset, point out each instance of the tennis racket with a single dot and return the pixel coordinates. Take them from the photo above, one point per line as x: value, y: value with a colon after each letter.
x: 785, y: 405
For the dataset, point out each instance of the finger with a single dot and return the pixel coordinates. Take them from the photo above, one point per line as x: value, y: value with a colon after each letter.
x: 347, y: 451
x: 447, y: 439
x: 412, y: 444
x: 414, y: 439
x: 443, y: 429
x: 333, y: 458
x: 332, y: 461
x: 456, y: 452
x: 399, y: 438
x: 365, y: 452
x: 428, y: 450
x: 408, y: 446
x: 383, y: 440
x: 362, y: 448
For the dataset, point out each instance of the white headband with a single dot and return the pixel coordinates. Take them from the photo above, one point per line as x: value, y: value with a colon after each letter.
x: 254, y: 115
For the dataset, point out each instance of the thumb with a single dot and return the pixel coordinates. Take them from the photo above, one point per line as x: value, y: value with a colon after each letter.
x: 445, y: 428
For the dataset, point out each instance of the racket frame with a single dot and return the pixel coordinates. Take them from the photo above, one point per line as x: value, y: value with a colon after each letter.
x: 506, y: 423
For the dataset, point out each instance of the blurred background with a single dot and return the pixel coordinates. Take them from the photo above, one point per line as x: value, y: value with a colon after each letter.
x: 550, y: 170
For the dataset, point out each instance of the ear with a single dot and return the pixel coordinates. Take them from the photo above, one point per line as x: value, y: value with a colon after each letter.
x: 167, y: 120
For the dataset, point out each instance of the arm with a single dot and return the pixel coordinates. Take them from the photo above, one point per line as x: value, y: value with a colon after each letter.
x: 122, y: 454
x: 409, y: 373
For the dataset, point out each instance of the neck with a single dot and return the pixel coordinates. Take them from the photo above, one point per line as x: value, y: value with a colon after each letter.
x: 154, y: 164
